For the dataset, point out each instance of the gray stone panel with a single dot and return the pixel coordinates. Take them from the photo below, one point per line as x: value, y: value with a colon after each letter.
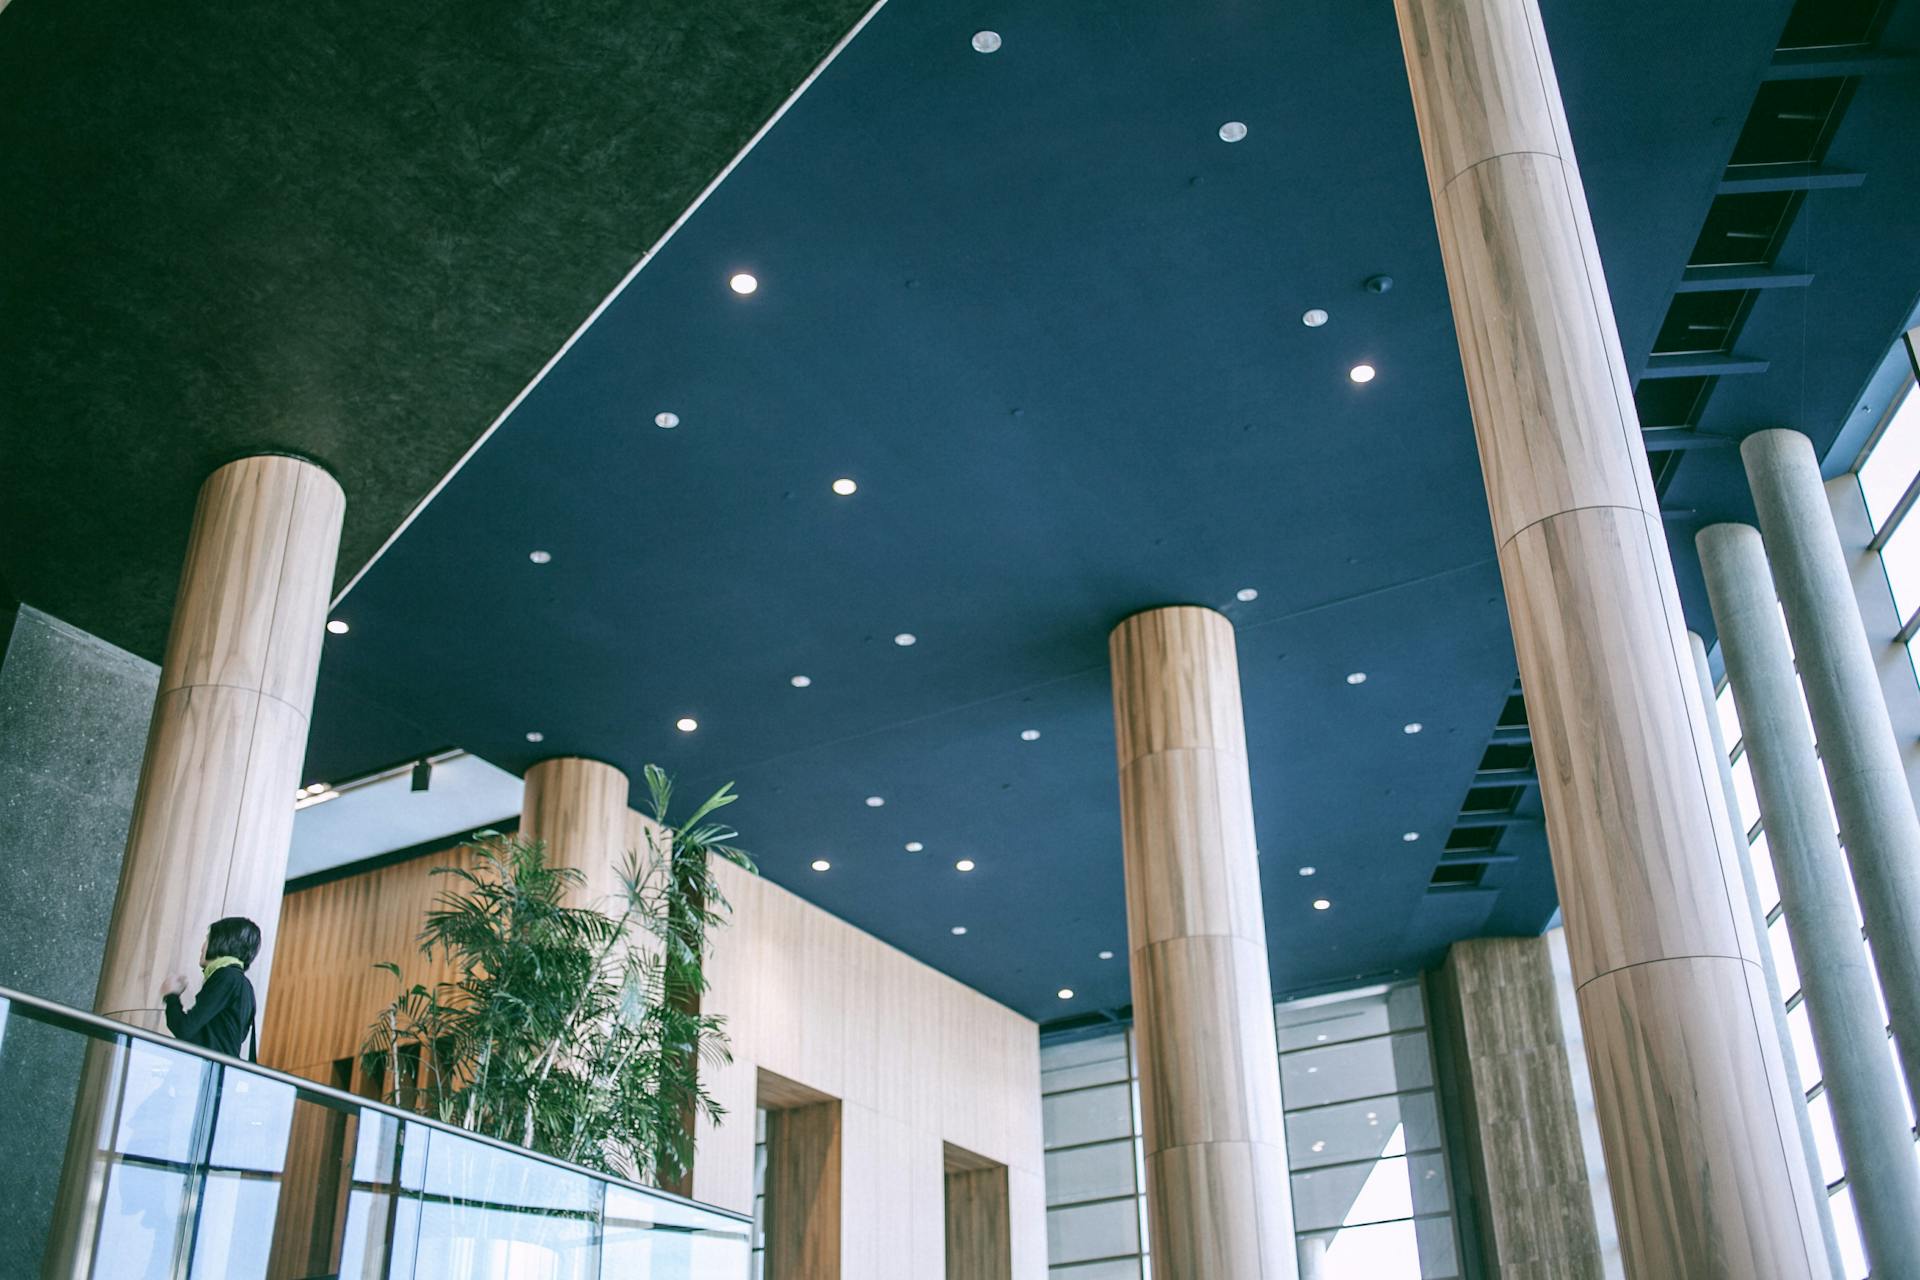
x: 73, y: 726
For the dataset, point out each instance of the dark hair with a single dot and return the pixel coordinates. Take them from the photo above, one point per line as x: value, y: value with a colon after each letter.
x: 234, y: 936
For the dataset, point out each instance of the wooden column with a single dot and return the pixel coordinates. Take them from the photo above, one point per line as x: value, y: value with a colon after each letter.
x: 803, y: 1210
x: 579, y: 808
x: 1218, y: 1199
x: 213, y: 817
x: 1495, y: 1009
x: 1690, y: 1085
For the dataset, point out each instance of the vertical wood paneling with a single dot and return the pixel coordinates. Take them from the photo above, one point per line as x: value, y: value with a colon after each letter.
x: 578, y: 807
x: 915, y: 1059
x: 804, y: 1192
x: 979, y: 1240
x: 1709, y: 1177
x: 213, y: 817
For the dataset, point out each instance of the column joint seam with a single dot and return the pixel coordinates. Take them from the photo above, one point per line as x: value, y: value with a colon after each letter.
x: 236, y: 688
x: 1483, y: 161
x: 1641, y: 964
x: 1513, y: 537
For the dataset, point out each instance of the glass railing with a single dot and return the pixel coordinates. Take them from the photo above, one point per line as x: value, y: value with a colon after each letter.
x: 129, y: 1156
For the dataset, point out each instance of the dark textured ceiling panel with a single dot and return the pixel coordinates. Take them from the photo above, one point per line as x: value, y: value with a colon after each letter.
x: 346, y: 229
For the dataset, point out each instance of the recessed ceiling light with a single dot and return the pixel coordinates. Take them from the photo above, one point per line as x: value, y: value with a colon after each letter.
x: 1106, y: 955
x: 1361, y: 373
x: 958, y: 930
x: 743, y: 284
x: 540, y: 557
x: 1412, y: 727
x: 336, y: 627
x: 686, y: 724
x: 1246, y: 595
x: 800, y: 682
x: 1321, y: 1038
x: 1029, y: 735
x: 667, y: 420
x: 534, y: 735
x: 1321, y: 904
x: 986, y: 41
x: 1232, y: 131
x: 874, y: 802
x: 821, y: 864
x: 1410, y: 836
x: 1314, y: 318
x: 1065, y: 993
x: 914, y: 846
x: 1356, y: 677
x: 965, y: 864
x: 906, y: 639
x: 315, y: 788
x: 1320, y: 1146
x: 1307, y: 871
x: 845, y: 487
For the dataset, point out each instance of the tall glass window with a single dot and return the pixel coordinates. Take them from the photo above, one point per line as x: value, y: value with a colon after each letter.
x: 1889, y: 475
x: 1370, y: 1196
x: 1096, y: 1187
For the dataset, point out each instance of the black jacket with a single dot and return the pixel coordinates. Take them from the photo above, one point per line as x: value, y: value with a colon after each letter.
x: 221, y: 1016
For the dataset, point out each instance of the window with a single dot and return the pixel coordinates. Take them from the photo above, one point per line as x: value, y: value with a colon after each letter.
x: 1889, y: 476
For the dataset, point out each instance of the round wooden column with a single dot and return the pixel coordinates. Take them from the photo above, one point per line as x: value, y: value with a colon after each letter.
x: 1218, y: 1201
x: 579, y: 808
x: 1690, y: 1085
x: 213, y: 816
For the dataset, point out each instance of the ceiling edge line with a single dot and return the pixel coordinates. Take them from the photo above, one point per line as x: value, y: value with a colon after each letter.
x: 552, y: 361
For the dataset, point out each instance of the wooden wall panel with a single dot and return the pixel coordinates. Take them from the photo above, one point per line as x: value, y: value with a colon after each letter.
x: 804, y: 1189
x: 916, y: 1059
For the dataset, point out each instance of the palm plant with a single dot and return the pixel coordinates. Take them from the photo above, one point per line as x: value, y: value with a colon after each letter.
x: 572, y: 1029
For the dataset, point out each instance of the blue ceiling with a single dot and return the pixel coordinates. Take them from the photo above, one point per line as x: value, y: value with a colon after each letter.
x: 1050, y: 323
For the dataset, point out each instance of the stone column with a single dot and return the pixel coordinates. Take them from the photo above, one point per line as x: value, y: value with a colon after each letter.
x: 1857, y: 747
x: 1869, y: 1114
x: 1776, y: 997
x: 1690, y: 1086
x: 213, y: 816
x: 1533, y: 1209
x: 579, y: 808
x: 1218, y: 1201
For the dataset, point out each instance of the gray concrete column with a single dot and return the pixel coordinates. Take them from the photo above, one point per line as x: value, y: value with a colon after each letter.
x: 1775, y: 996
x: 1878, y: 825
x: 1869, y: 1115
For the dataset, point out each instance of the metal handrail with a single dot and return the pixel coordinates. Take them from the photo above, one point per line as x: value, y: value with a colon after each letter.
x: 93, y: 1025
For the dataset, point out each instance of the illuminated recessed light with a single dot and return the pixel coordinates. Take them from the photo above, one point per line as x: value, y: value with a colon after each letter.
x: 743, y: 284
x: 986, y: 41
x: 1321, y: 1038
x: 1106, y: 955
x: 1320, y: 1146
x: 1412, y: 727
x: 1029, y: 735
x: 1314, y: 1071
x: 1410, y: 836
x: 315, y: 788
x: 845, y: 487
x: 1356, y: 677
x: 1321, y: 904
x: 874, y: 802
x: 540, y: 557
x: 914, y: 846
x: 1065, y: 993
x: 1361, y: 373
x: 1373, y: 1115
x: 336, y: 627
x: 906, y: 639
x: 965, y: 864
x: 1246, y: 595
x: 686, y: 724
x: 958, y: 930
x: 821, y: 864
x: 1307, y: 871
x: 535, y: 735
x: 1314, y: 318
x: 800, y: 682
x: 667, y: 420
x: 1232, y: 131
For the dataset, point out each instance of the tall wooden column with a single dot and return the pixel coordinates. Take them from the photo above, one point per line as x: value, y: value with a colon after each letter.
x: 579, y: 808
x: 1689, y: 1081
x: 1218, y: 1201
x: 213, y: 817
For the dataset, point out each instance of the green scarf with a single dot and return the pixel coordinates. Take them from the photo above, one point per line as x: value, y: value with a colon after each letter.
x: 215, y: 965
